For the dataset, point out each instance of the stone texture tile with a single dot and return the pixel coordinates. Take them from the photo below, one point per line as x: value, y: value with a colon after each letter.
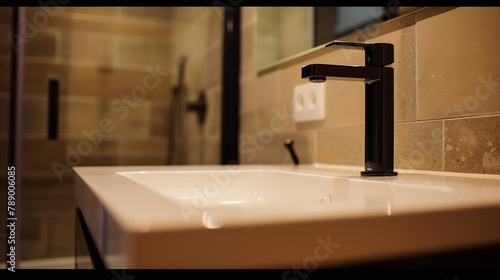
x: 4, y: 113
x: 3, y: 240
x: 54, y: 158
x: 77, y: 115
x: 48, y: 218
x: 203, y: 150
x: 100, y: 11
x: 205, y: 71
x: 62, y: 19
x: 343, y: 145
x: 419, y: 146
x: 472, y: 145
x: 48, y: 235
x: 4, y: 151
x: 113, y: 118
x: 147, y: 13
x: 266, y: 147
x: 405, y: 82
x: 34, y: 237
x: 131, y: 122
x: 160, y: 120
x: 39, y: 154
x: 5, y: 45
x: 90, y: 81
x: 194, y: 36
x: 137, y: 51
x: 39, y: 194
x: 93, y: 149
x: 212, y: 152
x: 143, y: 152
x: 35, y: 116
x: 44, y: 44
x: 89, y: 47
x: 61, y: 234
x: 457, y: 59
x: 6, y: 15
x: 115, y: 83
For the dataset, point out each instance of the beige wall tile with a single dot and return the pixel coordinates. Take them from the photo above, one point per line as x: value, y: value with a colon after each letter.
x: 34, y: 239
x: 38, y: 154
x: 36, y: 76
x: 212, y: 149
x: 150, y: 13
x: 203, y: 150
x: 5, y: 44
x: 60, y: 235
x: 79, y: 115
x: 137, y: 51
x: 118, y: 83
x: 35, y: 116
x: 39, y: 196
x: 266, y: 147
x: 89, y: 47
x: 248, y: 65
x: 160, y: 120
x: 419, y: 146
x: 343, y: 145
x: 97, y: 20
x: 91, y: 150
x: 457, y: 63
x: 259, y: 104
x: 143, y: 152
x: 405, y: 82
x: 100, y: 11
x: 44, y: 44
x: 131, y: 123
x: 54, y: 157
x: 4, y: 113
x: 6, y: 15
x: 472, y: 145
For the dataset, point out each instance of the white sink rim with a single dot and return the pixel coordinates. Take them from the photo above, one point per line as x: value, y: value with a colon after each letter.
x: 138, y: 214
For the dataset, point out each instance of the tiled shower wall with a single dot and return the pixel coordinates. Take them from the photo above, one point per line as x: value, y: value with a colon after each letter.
x: 198, y: 36
x: 447, y: 96
x: 117, y: 65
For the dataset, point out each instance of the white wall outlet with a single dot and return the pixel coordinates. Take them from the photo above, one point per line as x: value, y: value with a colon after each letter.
x: 309, y: 102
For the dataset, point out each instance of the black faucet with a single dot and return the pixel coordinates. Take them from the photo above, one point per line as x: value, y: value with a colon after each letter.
x: 379, y: 100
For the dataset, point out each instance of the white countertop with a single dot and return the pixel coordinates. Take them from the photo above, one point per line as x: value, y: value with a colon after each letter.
x: 367, y: 218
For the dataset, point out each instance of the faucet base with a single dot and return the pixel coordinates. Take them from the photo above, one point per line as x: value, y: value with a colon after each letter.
x: 375, y: 173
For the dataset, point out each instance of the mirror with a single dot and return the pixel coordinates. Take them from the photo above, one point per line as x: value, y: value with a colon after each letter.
x: 283, y: 33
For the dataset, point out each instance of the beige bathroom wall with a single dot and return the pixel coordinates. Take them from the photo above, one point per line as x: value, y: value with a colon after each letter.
x: 447, y: 80
x: 104, y: 58
x: 198, y: 36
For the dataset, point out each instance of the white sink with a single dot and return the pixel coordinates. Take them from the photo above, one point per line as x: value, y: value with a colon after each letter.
x: 239, y: 188
x: 273, y: 216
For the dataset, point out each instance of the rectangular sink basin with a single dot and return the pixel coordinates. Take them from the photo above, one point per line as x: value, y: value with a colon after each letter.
x: 274, y: 216
x: 242, y: 188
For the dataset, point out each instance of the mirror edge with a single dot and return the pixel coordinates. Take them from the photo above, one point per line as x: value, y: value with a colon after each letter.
x: 406, y: 19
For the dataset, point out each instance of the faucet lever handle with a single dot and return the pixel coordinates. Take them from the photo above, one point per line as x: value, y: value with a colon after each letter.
x: 376, y: 54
